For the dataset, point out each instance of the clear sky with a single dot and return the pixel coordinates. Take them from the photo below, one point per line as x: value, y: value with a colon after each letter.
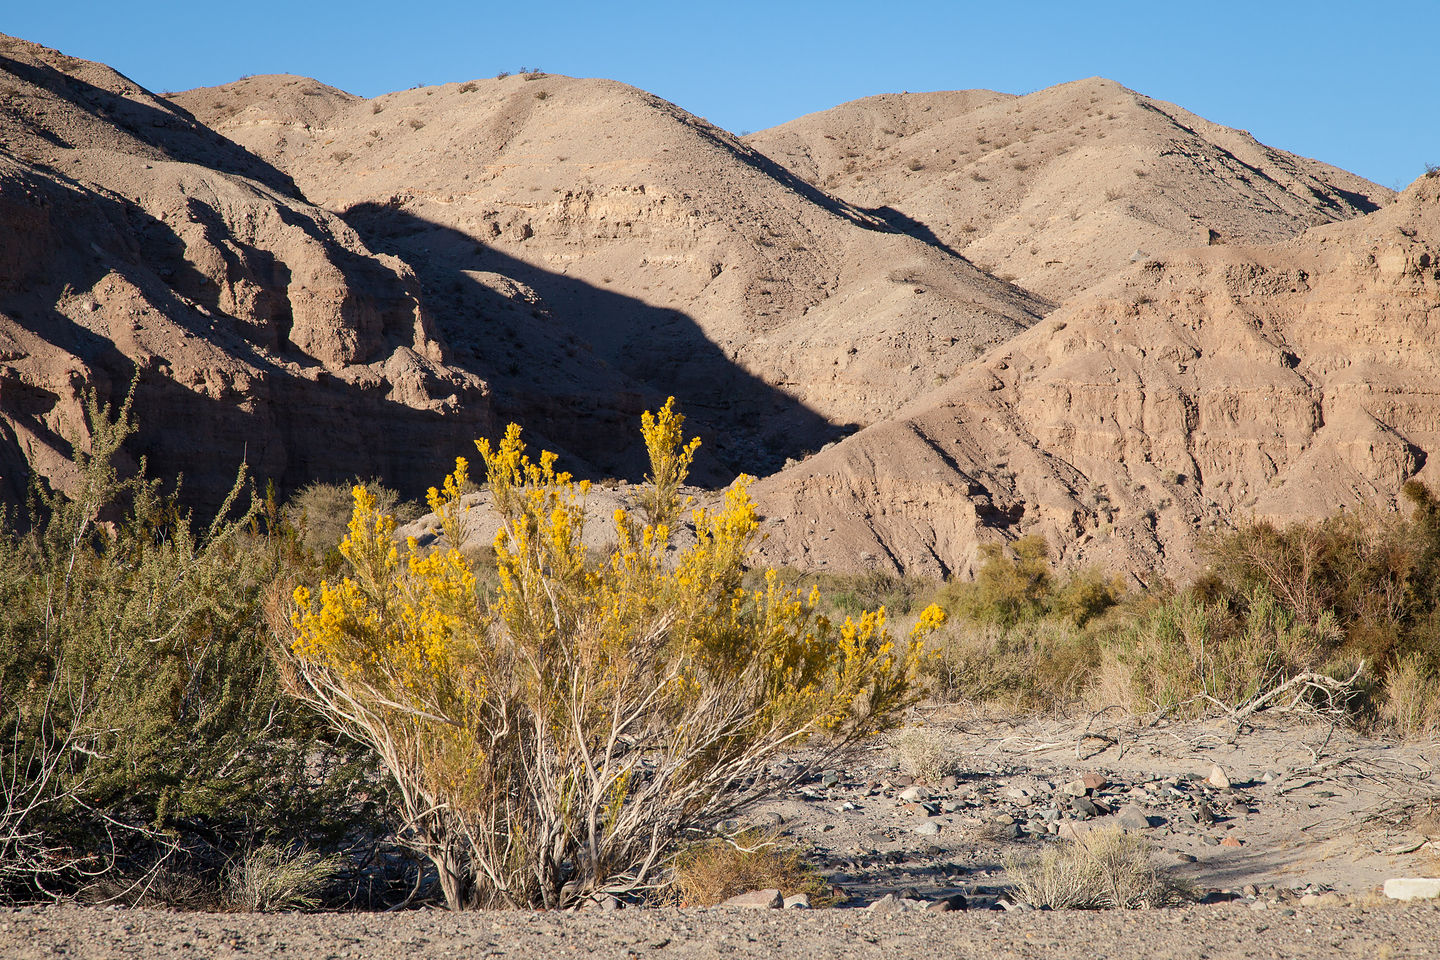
x: 1351, y: 83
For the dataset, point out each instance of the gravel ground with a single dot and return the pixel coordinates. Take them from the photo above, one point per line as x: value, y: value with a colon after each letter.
x: 1220, y: 931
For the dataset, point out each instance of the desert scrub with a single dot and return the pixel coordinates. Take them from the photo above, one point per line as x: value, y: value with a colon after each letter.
x: 553, y: 741
x: 712, y: 871
x: 320, y: 514
x: 272, y: 877
x: 1021, y: 637
x: 1103, y: 869
x: 1190, y: 656
x: 846, y: 594
x: 141, y: 722
x: 925, y: 753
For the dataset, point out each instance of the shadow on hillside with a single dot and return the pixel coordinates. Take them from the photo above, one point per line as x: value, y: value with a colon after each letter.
x: 290, y: 422
x: 177, y: 135
x: 580, y: 365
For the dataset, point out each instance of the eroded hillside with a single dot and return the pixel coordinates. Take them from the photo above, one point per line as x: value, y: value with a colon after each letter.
x: 1219, y: 383
x: 263, y: 329
x: 1060, y: 188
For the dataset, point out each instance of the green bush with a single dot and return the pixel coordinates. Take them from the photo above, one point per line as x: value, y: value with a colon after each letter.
x: 139, y: 708
x: 1192, y: 655
x: 1014, y: 584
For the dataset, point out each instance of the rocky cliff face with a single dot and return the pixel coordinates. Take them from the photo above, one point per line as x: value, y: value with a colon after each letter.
x: 1281, y: 382
x: 262, y: 329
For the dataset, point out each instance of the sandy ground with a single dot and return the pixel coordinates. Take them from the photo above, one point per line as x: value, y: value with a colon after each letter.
x: 1316, y: 818
x: 1214, y: 932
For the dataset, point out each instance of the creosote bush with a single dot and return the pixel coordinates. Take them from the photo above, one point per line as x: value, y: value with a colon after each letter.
x: 142, y: 728
x: 554, y: 741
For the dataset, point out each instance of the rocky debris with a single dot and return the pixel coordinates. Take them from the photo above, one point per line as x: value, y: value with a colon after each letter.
x: 1132, y: 818
x: 1413, y: 888
x: 758, y: 899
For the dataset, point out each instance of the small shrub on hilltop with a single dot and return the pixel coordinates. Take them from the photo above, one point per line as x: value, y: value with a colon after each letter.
x: 554, y: 741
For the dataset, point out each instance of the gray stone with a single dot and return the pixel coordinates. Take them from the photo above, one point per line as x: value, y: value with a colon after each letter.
x: 800, y: 901
x: 1218, y: 779
x: 1413, y: 888
x: 757, y: 900
x: 1084, y: 807
x: 1132, y: 818
x: 927, y: 828
x: 887, y: 904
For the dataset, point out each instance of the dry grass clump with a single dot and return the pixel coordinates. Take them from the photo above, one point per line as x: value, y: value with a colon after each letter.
x: 1411, y: 703
x: 714, y: 871
x: 923, y: 753
x: 270, y: 878
x: 1104, y: 869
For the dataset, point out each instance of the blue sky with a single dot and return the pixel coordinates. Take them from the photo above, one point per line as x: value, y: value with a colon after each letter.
x: 1353, y: 84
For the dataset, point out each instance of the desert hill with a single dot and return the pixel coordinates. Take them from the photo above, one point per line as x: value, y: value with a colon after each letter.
x: 1281, y: 381
x: 263, y: 328
x: 1062, y: 187
x: 666, y: 248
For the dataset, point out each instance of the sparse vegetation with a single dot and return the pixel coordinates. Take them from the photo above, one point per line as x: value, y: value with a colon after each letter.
x: 270, y: 878
x: 713, y: 871
x: 1105, y: 868
x: 924, y: 753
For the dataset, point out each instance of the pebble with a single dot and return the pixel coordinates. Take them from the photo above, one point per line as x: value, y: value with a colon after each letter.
x: 800, y: 901
x: 1217, y: 778
x: 927, y: 828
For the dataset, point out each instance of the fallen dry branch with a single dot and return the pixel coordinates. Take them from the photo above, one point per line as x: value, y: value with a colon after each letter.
x: 1299, y: 689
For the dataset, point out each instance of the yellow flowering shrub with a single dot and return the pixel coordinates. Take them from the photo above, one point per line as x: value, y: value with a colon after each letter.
x: 555, y: 741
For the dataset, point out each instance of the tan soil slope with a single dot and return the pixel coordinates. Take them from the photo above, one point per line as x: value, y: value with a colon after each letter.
x: 673, y: 252
x: 1216, y: 383
x: 263, y: 327
x: 1059, y: 188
